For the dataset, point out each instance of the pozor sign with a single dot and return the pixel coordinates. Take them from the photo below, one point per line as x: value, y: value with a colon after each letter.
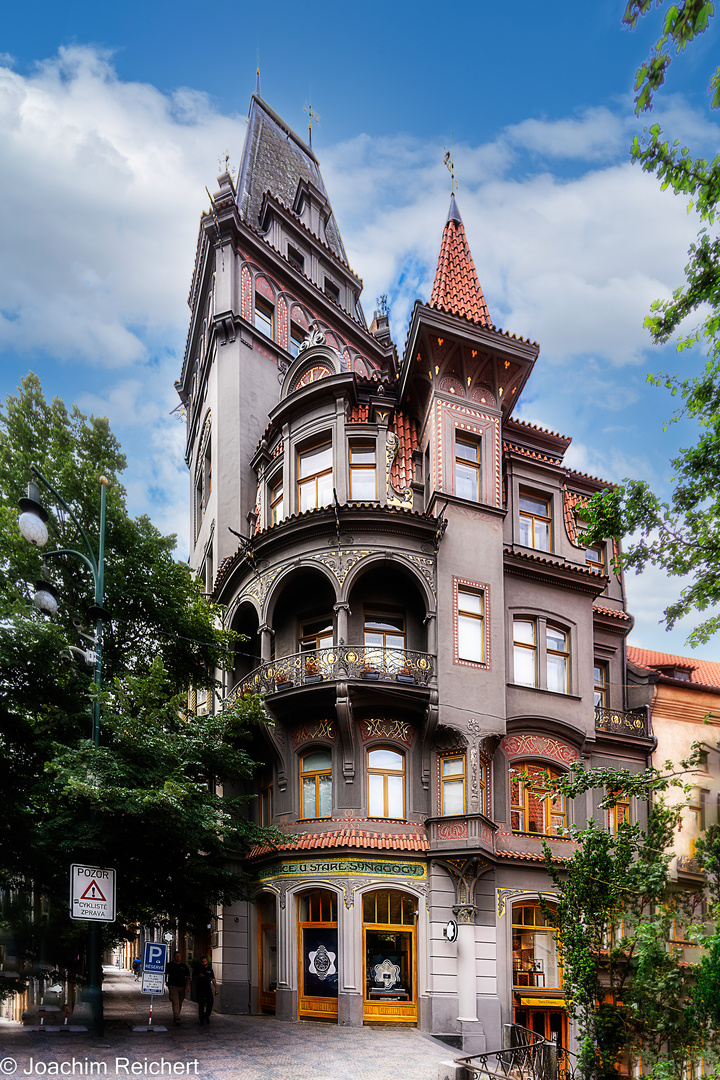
x: 92, y: 893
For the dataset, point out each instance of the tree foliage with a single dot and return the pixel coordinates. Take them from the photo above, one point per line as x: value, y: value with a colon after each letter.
x: 681, y: 535
x: 630, y: 988
x: 150, y: 801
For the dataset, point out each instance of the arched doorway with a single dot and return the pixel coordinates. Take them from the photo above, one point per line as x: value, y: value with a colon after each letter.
x: 267, y: 953
x: 317, y: 955
x: 390, y: 957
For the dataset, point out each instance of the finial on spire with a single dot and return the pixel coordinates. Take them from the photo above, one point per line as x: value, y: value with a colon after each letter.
x: 257, y: 75
x: 311, y: 116
x: 450, y: 165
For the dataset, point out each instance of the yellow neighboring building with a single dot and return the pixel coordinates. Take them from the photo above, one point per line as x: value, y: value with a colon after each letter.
x: 684, y: 698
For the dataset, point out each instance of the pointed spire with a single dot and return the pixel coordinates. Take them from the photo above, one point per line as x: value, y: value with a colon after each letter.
x: 456, y: 288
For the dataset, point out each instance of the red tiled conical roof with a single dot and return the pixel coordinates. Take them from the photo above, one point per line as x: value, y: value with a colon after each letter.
x: 456, y: 288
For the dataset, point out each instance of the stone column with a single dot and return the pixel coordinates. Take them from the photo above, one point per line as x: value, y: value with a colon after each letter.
x: 286, y: 995
x: 342, y: 610
x: 266, y: 633
x: 473, y: 1035
x: 431, y: 623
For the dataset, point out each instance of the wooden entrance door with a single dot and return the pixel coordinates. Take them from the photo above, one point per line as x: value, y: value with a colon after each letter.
x: 548, y: 1022
x: 317, y: 947
x: 389, y: 957
x: 267, y: 954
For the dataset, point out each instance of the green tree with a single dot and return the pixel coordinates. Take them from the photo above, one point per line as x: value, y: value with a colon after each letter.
x: 629, y: 988
x: 161, y: 786
x: 681, y: 535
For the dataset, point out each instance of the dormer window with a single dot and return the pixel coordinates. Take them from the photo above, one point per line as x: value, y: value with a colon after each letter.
x: 535, y: 521
x: 296, y: 259
x: 332, y: 291
x: 264, y: 315
x: 594, y: 557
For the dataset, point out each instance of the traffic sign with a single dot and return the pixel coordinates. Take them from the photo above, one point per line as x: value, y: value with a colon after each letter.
x: 92, y: 893
x: 155, y: 957
x: 153, y: 982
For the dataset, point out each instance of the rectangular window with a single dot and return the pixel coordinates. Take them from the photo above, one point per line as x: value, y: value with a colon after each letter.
x: 594, y: 557
x: 266, y: 805
x: 316, y: 781
x: 363, y: 473
x: 386, y: 783
x: 535, y: 522
x: 467, y: 468
x: 277, y: 512
x: 557, y: 660
x: 524, y: 652
x: 316, y: 634
x: 296, y: 259
x: 297, y: 336
x: 601, y: 684
x: 315, y: 479
x: 619, y: 814
x: 536, y: 959
x: 264, y: 315
x: 452, y: 785
x: 332, y: 291
x: 471, y: 625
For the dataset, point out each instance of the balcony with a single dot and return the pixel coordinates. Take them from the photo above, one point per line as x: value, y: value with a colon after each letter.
x: 462, y: 831
x: 618, y: 722
x: 343, y: 662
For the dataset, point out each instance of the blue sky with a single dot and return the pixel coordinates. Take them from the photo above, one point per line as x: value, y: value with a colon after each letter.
x: 113, y: 119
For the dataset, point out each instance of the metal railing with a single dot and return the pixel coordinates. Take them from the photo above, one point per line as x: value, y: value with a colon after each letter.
x: 341, y: 662
x: 528, y: 1057
x: 626, y: 723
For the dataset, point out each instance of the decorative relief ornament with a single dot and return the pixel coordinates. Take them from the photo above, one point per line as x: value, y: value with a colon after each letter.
x: 313, y: 337
x: 387, y: 974
x: 322, y: 962
x: 323, y: 729
x: 520, y: 745
x: 313, y: 374
x: 387, y: 729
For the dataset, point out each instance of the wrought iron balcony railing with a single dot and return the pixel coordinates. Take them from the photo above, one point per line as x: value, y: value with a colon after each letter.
x: 626, y: 723
x: 342, y: 662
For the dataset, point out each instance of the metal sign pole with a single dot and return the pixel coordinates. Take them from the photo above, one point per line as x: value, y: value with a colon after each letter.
x: 152, y: 998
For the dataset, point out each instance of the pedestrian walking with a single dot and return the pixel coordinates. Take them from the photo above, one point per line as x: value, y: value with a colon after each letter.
x: 206, y: 988
x: 177, y: 977
x: 136, y: 965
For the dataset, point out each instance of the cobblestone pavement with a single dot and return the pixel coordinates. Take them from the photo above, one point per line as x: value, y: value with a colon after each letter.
x: 229, y: 1048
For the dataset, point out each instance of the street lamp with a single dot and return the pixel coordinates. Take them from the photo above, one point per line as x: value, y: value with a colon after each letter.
x: 32, y: 525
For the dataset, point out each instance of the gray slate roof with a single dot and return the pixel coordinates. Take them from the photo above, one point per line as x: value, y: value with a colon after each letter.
x: 275, y: 159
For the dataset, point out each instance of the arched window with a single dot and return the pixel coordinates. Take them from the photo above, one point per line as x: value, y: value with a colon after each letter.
x: 536, y: 961
x: 533, y: 808
x: 316, y: 784
x: 386, y: 783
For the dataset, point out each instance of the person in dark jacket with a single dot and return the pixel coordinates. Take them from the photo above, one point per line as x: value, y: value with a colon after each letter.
x: 206, y: 989
x: 177, y: 977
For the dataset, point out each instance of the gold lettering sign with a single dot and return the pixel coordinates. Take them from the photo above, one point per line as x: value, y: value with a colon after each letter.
x: 543, y: 1003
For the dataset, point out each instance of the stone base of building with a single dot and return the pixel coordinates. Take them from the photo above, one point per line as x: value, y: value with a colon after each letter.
x: 234, y: 997
x: 286, y: 1004
x: 350, y: 1010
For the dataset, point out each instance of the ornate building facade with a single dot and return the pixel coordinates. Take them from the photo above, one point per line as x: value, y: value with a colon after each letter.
x: 422, y: 618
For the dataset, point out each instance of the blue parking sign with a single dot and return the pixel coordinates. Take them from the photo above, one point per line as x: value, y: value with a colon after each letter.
x: 155, y: 956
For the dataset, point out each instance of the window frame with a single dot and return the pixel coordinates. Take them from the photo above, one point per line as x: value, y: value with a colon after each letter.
x: 533, y: 517
x: 458, y: 755
x: 296, y: 336
x: 468, y: 438
x: 542, y: 625
x: 275, y: 500
x: 516, y: 928
x: 266, y: 316
x: 304, y: 481
x: 311, y: 639
x: 296, y: 258
x: 596, y: 564
x: 362, y: 467
x: 316, y: 775
x: 523, y: 807
x: 600, y: 686
x: 384, y: 771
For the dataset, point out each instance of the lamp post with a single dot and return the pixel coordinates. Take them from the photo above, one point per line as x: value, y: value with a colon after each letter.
x: 32, y: 525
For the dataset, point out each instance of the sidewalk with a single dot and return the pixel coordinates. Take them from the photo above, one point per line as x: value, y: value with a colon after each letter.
x: 229, y: 1048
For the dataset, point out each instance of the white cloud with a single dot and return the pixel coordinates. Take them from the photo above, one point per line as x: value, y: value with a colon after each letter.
x: 594, y: 135
x: 103, y: 182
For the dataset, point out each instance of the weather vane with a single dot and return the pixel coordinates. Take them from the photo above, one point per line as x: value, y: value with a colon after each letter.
x: 311, y: 116
x: 450, y: 165
x: 257, y: 75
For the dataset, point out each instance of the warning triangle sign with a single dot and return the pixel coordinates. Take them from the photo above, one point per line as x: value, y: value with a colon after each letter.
x: 93, y: 892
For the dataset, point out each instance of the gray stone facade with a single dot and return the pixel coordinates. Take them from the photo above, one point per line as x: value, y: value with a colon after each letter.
x: 421, y: 614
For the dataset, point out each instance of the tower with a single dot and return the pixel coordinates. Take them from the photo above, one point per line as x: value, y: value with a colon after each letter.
x: 422, y: 618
